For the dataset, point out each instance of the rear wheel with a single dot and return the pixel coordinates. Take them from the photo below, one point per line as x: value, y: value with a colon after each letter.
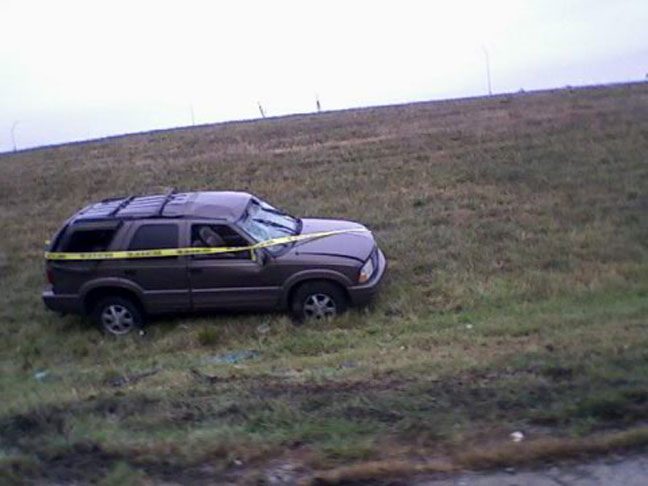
x: 117, y: 315
x: 317, y: 301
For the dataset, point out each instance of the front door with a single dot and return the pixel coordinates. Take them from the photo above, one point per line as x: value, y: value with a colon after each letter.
x: 229, y: 280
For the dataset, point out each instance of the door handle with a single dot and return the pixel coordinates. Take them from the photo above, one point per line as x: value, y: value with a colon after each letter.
x: 195, y: 270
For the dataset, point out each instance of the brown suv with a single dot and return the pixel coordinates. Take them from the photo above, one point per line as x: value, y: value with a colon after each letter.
x: 313, y: 277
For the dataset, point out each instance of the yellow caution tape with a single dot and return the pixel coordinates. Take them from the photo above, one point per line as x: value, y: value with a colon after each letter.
x: 167, y: 252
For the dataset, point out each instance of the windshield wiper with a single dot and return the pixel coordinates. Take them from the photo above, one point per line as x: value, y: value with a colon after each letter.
x: 274, y: 225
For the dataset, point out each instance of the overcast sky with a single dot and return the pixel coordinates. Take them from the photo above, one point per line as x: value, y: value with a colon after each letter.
x: 74, y: 70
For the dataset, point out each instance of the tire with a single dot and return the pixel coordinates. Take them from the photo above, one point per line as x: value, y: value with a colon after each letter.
x: 318, y: 301
x: 117, y: 316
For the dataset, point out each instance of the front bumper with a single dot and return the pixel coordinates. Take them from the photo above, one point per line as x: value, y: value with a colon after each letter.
x: 363, y: 293
x: 67, y: 304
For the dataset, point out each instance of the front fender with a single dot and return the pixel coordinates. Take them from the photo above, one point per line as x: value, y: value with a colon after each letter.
x: 313, y: 274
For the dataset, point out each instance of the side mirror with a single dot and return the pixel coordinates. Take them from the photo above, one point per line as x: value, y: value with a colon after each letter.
x: 261, y: 257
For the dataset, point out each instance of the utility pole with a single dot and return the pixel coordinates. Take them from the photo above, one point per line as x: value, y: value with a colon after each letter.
x: 13, y: 133
x: 193, y: 121
x: 318, y: 104
x: 261, y: 110
x: 488, y: 76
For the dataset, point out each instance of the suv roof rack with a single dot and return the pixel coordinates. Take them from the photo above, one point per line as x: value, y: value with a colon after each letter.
x: 167, y: 197
x: 225, y: 205
x: 121, y: 205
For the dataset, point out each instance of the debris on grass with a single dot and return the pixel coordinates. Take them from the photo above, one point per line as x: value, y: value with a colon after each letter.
x: 41, y: 375
x: 263, y: 328
x: 204, y: 378
x: 232, y: 358
x: 517, y: 436
x: 124, y: 380
x: 349, y: 364
x: 279, y: 475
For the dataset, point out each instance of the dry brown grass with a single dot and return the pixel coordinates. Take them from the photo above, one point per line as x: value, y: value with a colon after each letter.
x: 550, y: 449
x: 376, y: 472
x: 485, y: 456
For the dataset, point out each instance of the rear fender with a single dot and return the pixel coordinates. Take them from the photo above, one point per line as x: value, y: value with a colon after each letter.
x: 116, y: 283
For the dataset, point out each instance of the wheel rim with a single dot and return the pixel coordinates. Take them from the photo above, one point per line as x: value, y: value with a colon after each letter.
x: 319, y: 306
x: 117, y: 319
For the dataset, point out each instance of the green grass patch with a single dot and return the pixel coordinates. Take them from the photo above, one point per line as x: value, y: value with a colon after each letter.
x: 516, y: 298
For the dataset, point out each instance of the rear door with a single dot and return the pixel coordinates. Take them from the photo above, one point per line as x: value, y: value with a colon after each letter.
x: 163, y: 280
x: 229, y: 280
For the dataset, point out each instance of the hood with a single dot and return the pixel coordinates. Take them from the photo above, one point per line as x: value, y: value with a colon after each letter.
x: 357, y: 246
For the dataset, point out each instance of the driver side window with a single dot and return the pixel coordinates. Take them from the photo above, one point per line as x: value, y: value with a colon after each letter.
x: 215, y: 235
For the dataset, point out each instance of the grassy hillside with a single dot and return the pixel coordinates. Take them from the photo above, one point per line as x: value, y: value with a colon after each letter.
x: 517, y: 300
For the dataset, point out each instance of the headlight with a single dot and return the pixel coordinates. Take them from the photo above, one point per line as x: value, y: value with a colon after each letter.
x: 366, y: 271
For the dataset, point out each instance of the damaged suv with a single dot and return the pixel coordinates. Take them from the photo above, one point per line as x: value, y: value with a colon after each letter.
x: 315, y: 268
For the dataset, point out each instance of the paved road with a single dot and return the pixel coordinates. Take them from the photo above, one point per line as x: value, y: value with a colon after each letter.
x: 624, y: 471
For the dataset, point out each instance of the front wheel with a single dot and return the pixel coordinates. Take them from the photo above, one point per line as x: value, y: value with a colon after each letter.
x: 316, y: 301
x: 117, y: 315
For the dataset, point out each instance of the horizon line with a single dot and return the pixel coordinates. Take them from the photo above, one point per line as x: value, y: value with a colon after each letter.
x: 274, y: 118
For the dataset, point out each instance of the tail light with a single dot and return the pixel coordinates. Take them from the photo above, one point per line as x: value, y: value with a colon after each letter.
x: 50, y: 274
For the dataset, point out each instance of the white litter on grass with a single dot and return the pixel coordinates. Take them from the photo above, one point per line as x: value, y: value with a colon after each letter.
x: 469, y: 326
x: 41, y: 375
x: 263, y: 328
x: 517, y: 436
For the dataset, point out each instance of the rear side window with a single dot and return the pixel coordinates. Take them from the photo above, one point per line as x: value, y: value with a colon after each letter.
x: 154, y: 237
x: 89, y: 240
